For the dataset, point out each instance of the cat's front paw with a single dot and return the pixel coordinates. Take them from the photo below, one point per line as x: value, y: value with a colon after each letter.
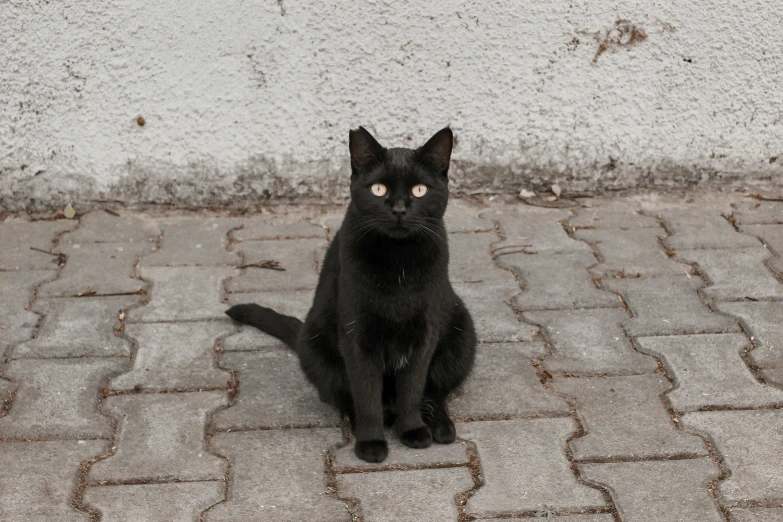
x: 444, y: 433
x: 417, y: 438
x: 371, y: 450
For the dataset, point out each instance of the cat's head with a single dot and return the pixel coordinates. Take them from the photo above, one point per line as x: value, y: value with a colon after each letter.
x: 401, y: 191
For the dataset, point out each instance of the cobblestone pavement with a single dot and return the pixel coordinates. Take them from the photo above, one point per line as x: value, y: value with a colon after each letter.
x: 631, y: 368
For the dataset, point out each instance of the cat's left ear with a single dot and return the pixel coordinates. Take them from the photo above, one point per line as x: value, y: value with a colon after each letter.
x: 436, y: 153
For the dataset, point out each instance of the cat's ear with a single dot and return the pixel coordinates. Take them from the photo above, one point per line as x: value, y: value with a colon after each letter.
x: 365, y: 150
x: 436, y: 153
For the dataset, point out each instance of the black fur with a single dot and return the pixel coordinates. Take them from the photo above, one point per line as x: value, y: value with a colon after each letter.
x: 387, y: 339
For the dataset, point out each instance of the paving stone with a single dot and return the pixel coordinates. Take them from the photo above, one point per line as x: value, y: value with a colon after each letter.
x: 194, y: 241
x: 462, y: 216
x: 401, y: 455
x: 470, y: 260
x: 659, y: 491
x: 107, y: 268
x: 736, y: 274
x: 751, y: 446
x: 37, y: 479
x: 631, y: 252
x: 772, y: 237
x: 552, y: 282
x: 694, y: 227
x: 291, y: 302
x: 79, y: 326
x: 270, y: 226
x: 10, y: 337
x: 504, y: 382
x: 183, y: 293
x: 625, y: 417
x: 773, y: 376
x: 406, y: 496
x: 102, y: 227
x: 17, y: 236
x: 589, y: 341
x: 756, y: 514
x: 58, y: 398
x: 568, y: 518
x: 612, y: 215
x: 758, y: 212
x: 524, y: 467
x: 667, y: 306
x: 493, y: 317
x: 18, y: 288
x: 278, y: 475
x: 301, y: 259
x: 534, y: 230
x: 181, y: 502
x: 161, y: 436
x: 174, y: 356
x: 710, y: 372
x: 763, y: 322
x: 273, y: 392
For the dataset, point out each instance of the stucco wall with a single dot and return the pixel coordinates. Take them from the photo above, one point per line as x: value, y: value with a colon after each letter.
x: 245, y: 99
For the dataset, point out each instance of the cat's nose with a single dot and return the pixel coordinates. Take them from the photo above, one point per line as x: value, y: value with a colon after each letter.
x: 399, y: 209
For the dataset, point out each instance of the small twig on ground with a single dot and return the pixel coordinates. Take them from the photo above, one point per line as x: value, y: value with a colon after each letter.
x: 110, y: 211
x: 271, y: 265
x: 85, y: 293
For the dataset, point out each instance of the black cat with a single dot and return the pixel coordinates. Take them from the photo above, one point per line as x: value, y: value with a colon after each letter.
x: 387, y: 339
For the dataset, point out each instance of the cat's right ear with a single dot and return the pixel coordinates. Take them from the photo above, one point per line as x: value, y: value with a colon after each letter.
x: 365, y: 150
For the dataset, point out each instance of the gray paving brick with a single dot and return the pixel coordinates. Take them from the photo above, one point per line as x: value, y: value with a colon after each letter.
x: 37, y: 479
x: 738, y: 273
x: 612, y: 215
x: 470, y: 259
x: 161, y: 436
x: 694, y: 227
x: 589, y: 341
x: 174, y: 356
x: 631, y: 252
x: 524, y: 466
x: 273, y: 392
x: 183, y: 293
x: 758, y: 212
x: 300, y: 258
x: 667, y: 306
x: 756, y: 514
x: 772, y: 237
x: 282, y: 226
x: 401, y: 455
x: 58, y: 398
x: 102, y: 227
x: 535, y: 230
x: 107, y: 268
x: 504, y: 382
x: 561, y: 281
x: 710, y: 372
x: 181, y: 502
x: 625, y: 417
x: 493, y: 317
x: 18, y: 288
x: 17, y: 236
x: 194, y: 241
x: 462, y: 215
x: 79, y: 326
x: 278, y: 475
x: 659, y: 491
x: 407, y: 496
x: 750, y: 444
x: 290, y: 302
x: 567, y: 518
x: 763, y: 322
x: 773, y: 375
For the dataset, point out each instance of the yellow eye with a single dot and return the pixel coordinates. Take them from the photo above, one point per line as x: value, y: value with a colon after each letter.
x: 378, y: 189
x: 419, y: 190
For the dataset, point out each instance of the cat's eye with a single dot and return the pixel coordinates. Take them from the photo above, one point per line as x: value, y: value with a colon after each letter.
x: 419, y: 190
x: 379, y: 189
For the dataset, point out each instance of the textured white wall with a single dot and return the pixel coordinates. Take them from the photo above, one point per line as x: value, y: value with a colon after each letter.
x: 246, y: 96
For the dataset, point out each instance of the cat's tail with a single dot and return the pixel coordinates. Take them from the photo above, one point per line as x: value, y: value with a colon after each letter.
x: 284, y: 327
